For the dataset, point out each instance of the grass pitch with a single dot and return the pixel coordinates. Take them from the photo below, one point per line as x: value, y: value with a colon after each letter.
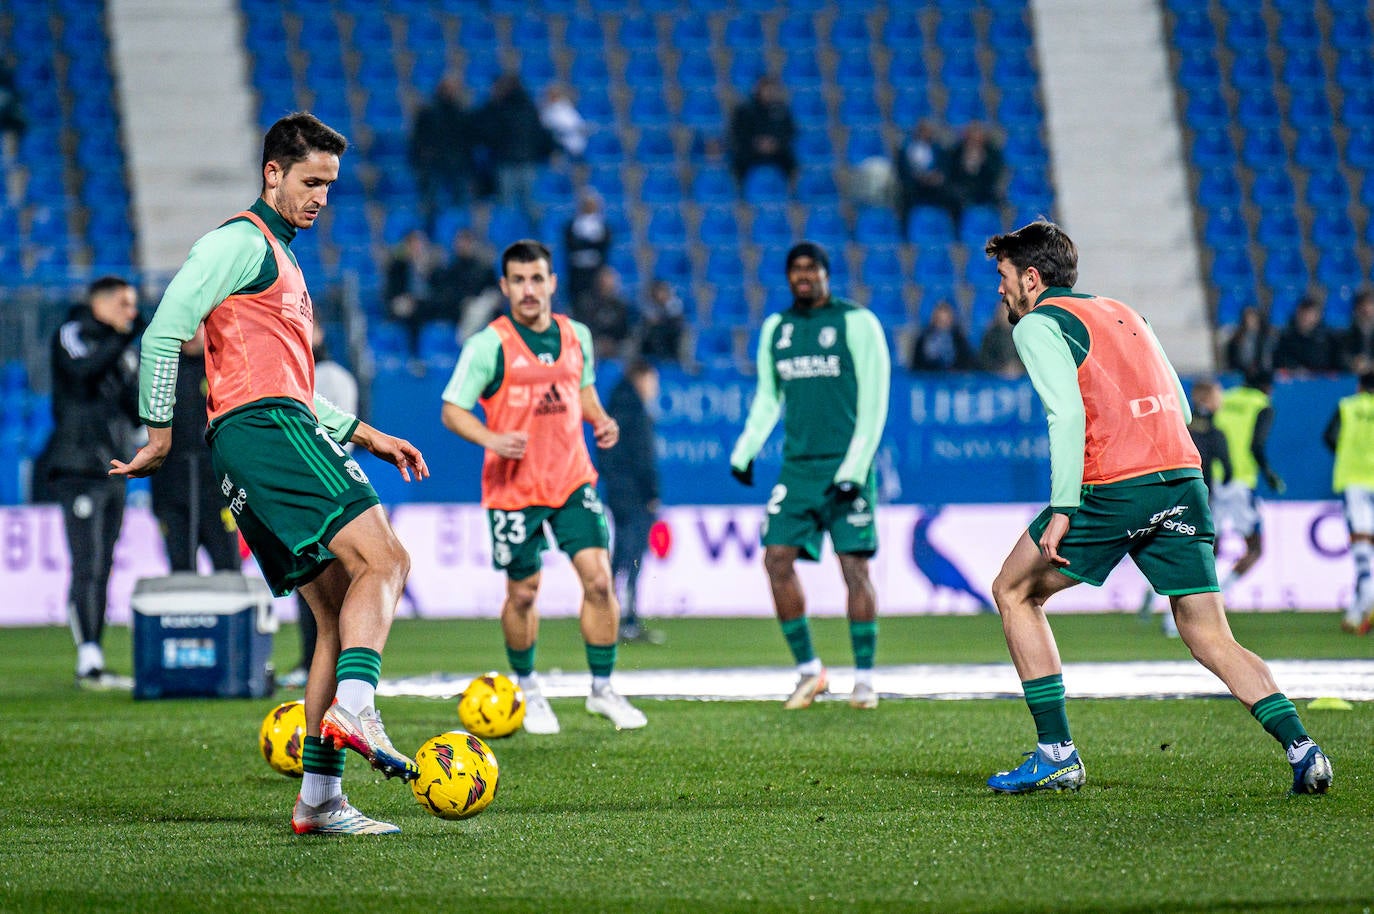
x: 107, y: 804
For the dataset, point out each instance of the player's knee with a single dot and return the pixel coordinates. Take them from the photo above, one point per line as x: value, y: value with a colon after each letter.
x: 596, y: 588
x: 778, y: 565
x: 520, y: 595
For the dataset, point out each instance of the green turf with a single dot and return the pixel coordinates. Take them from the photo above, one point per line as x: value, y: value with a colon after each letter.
x: 112, y: 805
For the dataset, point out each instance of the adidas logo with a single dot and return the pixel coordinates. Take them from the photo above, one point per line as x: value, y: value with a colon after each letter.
x: 551, y: 403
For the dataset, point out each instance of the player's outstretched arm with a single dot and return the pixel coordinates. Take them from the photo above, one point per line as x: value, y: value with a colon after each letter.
x: 462, y: 422
x: 149, y: 457
x: 405, y: 456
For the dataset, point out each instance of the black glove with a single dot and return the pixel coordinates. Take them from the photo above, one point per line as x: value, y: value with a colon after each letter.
x: 844, y: 492
x: 746, y: 475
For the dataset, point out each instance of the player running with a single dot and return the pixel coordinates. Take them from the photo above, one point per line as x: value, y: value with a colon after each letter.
x: 1125, y: 478
x: 826, y: 359
x: 532, y: 371
x: 304, y: 506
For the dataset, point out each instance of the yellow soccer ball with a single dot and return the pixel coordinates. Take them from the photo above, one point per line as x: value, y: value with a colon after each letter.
x: 458, y: 775
x: 282, y: 738
x: 492, y: 706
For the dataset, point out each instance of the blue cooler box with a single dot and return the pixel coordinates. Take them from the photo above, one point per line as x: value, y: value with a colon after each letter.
x: 202, y: 636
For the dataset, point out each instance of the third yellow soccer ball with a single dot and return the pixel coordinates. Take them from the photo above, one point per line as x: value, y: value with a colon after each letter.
x: 282, y: 738
x: 492, y: 706
x: 458, y: 775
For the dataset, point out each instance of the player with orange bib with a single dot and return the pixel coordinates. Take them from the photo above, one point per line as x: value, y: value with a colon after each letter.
x: 1125, y: 479
x: 532, y: 372
x: 303, y: 504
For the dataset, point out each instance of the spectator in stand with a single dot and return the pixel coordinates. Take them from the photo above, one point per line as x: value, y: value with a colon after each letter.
x: 517, y: 141
x: 997, y: 353
x: 586, y: 242
x: 1357, y: 342
x: 942, y: 345
x: 409, y: 293
x: 13, y: 124
x: 762, y: 131
x: 1251, y: 346
x: 921, y: 166
x: 563, y: 121
x: 441, y: 150
x: 662, y: 332
x: 1306, y: 344
x: 606, y: 312
x: 975, y: 170
x: 465, y: 288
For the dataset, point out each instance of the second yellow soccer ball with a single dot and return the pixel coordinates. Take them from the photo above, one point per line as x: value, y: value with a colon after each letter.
x: 492, y: 706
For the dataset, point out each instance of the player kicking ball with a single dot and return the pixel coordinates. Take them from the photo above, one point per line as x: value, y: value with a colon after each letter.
x: 1125, y: 479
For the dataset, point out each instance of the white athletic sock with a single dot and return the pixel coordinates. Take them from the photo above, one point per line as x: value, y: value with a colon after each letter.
x: 600, y: 683
x: 863, y: 677
x: 318, y: 789
x: 1363, y: 598
x: 89, y: 658
x: 810, y: 667
x: 530, y: 683
x: 354, y: 695
x: 1056, y: 751
x: 1299, y: 748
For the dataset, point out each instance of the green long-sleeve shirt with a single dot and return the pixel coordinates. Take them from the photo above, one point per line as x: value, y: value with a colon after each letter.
x: 829, y: 369
x: 1052, y: 349
x: 233, y: 259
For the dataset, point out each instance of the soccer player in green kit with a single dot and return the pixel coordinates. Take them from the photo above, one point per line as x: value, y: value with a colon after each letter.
x: 826, y: 360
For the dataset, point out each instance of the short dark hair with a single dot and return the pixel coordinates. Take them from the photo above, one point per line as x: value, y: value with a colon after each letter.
x: 1040, y: 244
x: 293, y: 138
x: 105, y: 285
x: 526, y: 250
x: 1367, y: 380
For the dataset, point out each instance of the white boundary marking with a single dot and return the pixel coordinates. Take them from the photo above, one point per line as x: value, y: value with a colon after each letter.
x: 1352, y: 680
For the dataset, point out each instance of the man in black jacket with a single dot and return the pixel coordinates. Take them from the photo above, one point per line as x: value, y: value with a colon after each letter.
x: 186, y: 499
x: 630, y: 473
x: 95, y: 411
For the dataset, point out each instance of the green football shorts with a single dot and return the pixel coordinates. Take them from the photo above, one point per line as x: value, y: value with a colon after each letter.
x: 519, y: 538
x: 801, y: 511
x: 290, y: 487
x: 1165, y: 527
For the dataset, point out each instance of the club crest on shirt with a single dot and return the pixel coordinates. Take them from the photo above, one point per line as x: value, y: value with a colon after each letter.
x: 827, y: 337
x: 784, y: 337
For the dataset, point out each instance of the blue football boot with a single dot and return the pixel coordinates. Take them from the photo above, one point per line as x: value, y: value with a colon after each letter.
x: 1040, y: 772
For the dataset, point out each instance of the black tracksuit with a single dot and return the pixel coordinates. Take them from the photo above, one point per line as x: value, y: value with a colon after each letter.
x: 629, y: 473
x: 95, y: 412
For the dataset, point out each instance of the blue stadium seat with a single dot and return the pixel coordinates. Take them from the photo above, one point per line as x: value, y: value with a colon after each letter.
x: 744, y: 31
x: 637, y: 32
x: 979, y: 223
x: 1206, y: 109
x: 809, y: 109
x: 960, y: 69
x: 648, y: 107
x: 715, y: 345
x: 666, y: 227
x: 476, y: 32
x: 642, y: 67
x: 860, y: 107
x: 691, y: 34
x: 882, y: 266
x: 877, y: 225
x: 604, y: 146
x: 1357, y: 108
x: 863, y: 144
x: 1354, y: 69
x: 745, y: 70
x: 1299, y: 31
x: 1326, y: 189
x: 801, y: 70
x: 1263, y: 148
x: 1339, y: 267
x: 673, y: 264
x: 1332, y: 228
x: 965, y: 105
x: 1230, y: 303
x: 910, y: 103
x: 955, y: 30
x: 724, y: 266
x: 1257, y: 108
x: 1284, y: 266
x: 854, y: 68
x: 1198, y: 69
x: 583, y: 33
x: 1272, y: 187
x: 701, y: 109
x: 887, y: 304
x: 655, y: 146
x: 1308, y: 107
x: 1018, y: 108
x: 1232, y: 269
x: 816, y: 185
x: 1351, y: 29
x: 770, y: 226
x: 796, y: 29
x: 588, y: 72
x: 849, y: 33
x: 765, y: 184
x: 929, y: 225
x: 1303, y: 67
x: 1278, y: 227
x: 1225, y: 227
x: 696, y: 73
x: 1316, y: 147
x: 902, y: 31
x: 660, y: 185
x: 826, y: 226
x: 1217, y: 187
x: 713, y: 185
x: 1359, y: 150
x: 718, y: 228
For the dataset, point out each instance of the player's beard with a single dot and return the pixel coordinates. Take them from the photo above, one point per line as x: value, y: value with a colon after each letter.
x: 1015, y: 314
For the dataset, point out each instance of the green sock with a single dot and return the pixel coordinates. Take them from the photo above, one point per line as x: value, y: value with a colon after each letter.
x: 318, y: 756
x: 601, y: 658
x: 864, y: 637
x: 1278, y: 716
x: 798, y: 634
x: 1045, y: 698
x: 521, y: 662
x: 362, y: 663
